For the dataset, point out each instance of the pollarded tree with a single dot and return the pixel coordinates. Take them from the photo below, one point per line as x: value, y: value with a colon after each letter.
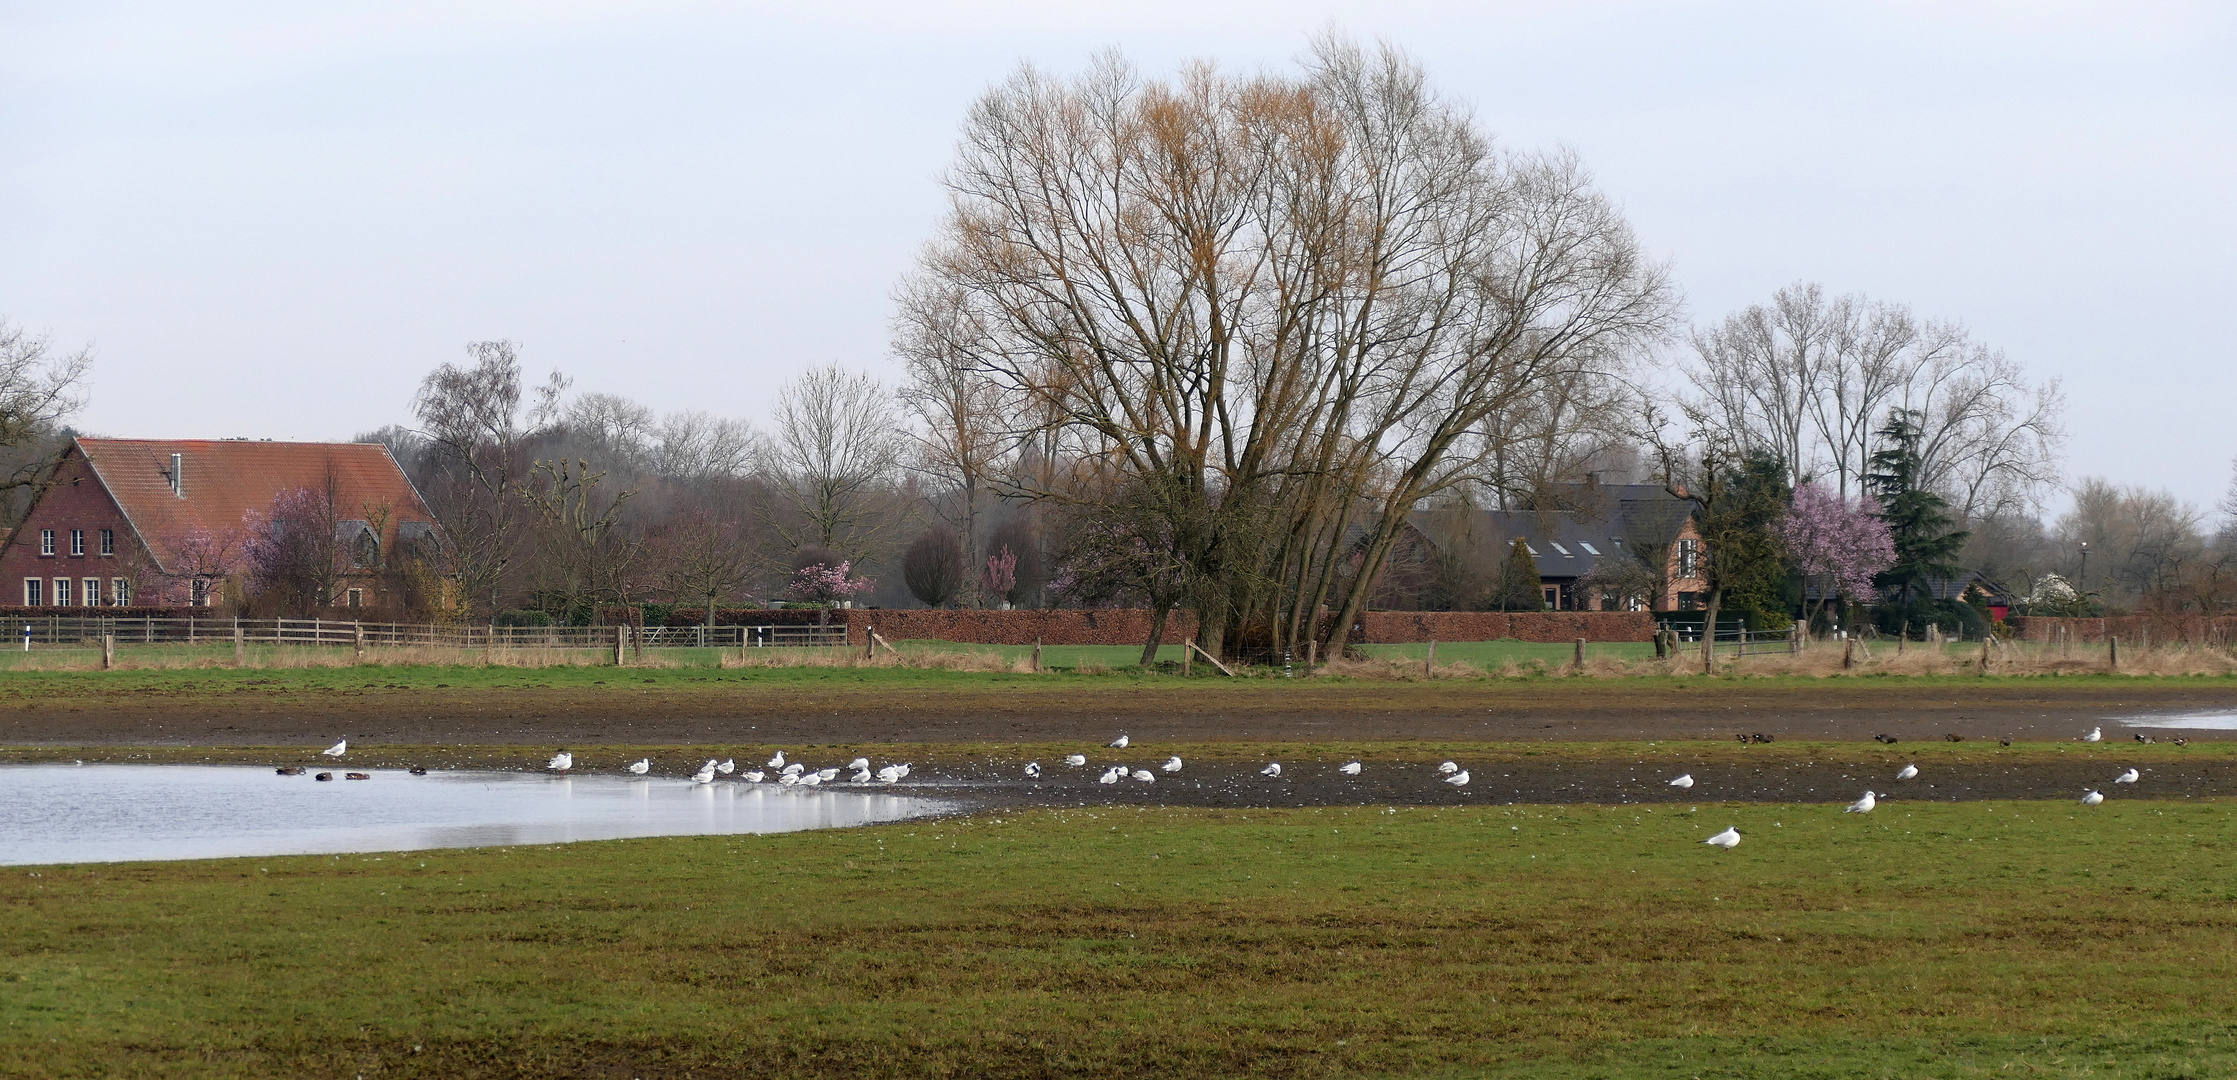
x: 933, y: 566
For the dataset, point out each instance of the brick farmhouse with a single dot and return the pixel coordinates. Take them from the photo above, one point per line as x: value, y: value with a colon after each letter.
x: 164, y: 523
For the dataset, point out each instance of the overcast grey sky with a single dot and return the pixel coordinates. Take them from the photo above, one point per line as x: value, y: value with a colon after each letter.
x: 272, y: 219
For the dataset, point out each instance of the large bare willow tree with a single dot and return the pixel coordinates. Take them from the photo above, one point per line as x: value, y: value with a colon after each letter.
x: 1267, y: 316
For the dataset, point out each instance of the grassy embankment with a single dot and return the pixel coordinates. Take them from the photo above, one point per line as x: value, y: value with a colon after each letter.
x: 1971, y: 940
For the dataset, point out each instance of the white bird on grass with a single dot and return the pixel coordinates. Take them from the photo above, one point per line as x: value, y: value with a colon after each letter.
x: 338, y: 749
x: 561, y: 762
x: 641, y: 766
x: 1075, y: 760
x: 706, y: 773
x: 795, y: 769
x: 754, y: 777
x: 1110, y: 775
x: 2093, y: 798
x: 2128, y: 777
x: 891, y: 774
x: 1144, y: 775
x: 2095, y: 734
x: 1272, y: 769
x: 1458, y: 779
x: 1033, y: 770
x: 1685, y: 781
x: 1908, y: 772
x: 1172, y: 764
x: 859, y: 763
x: 727, y: 767
x: 1448, y: 768
x: 1349, y: 768
x: 1728, y: 839
x: 1863, y: 805
x: 1118, y: 743
x: 777, y: 762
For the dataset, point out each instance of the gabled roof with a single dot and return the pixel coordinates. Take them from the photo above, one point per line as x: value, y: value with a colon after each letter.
x: 223, y: 480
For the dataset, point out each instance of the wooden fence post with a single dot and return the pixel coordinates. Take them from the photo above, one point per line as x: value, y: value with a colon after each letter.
x: 621, y: 646
x: 108, y: 652
x: 1848, y: 653
x: 870, y: 643
x: 2112, y: 654
x: 240, y: 646
x: 359, y: 644
x: 1036, y: 654
x: 1580, y: 662
x: 1188, y: 650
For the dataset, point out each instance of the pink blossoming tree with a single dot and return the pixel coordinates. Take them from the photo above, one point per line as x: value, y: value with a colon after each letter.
x: 827, y: 585
x: 1835, y: 545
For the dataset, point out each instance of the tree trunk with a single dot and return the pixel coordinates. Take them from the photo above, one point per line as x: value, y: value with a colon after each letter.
x: 1157, y: 634
x: 1709, y: 633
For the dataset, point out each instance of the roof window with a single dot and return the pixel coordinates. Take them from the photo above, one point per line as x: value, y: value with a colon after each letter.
x: 1565, y: 552
x: 1589, y: 549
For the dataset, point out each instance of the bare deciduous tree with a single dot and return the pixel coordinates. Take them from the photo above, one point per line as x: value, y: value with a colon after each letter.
x: 39, y: 389
x: 837, y: 440
x: 472, y: 418
x: 586, y: 552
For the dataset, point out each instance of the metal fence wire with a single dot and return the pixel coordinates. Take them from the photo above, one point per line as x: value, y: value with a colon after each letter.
x: 84, y: 630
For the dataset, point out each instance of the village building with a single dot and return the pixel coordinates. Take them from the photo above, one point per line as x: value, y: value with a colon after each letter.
x: 1598, y: 547
x: 165, y: 523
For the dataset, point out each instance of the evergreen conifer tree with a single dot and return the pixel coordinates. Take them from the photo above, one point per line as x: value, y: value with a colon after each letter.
x: 1926, y: 546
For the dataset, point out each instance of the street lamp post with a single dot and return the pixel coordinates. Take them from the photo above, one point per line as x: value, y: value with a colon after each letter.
x: 2082, y: 586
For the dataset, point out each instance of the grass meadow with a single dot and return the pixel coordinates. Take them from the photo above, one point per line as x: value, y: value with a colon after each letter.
x: 2000, y: 939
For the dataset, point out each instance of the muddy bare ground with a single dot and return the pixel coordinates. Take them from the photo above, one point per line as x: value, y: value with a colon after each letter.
x: 1195, y: 711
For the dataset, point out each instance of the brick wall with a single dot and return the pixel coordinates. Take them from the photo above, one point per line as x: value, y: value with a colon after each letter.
x: 2132, y: 629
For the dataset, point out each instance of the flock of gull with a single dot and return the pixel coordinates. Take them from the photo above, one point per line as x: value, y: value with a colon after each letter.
x: 796, y: 774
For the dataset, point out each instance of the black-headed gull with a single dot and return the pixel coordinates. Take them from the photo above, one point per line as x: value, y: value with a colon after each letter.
x: 1144, y: 775
x: 706, y: 773
x: 795, y: 769
x: 753, y: 777
x: 1272, y: 769
x: 1728, y: 839
x: 891, y: 774
x: 1448, y: 768
x: 777, y: 762
x: 1908, y: 772
x: 1349, y: 768
x: 1075, y: 760
x: 2095, y: 734
x: 1118, y: 743
x: 810, y: 779
x: 2093, y: 798
x: 641, y: 766
x: 1172, y: 764
x: 561, y: 762
x: 2128, y: 777
x: 859, y: 763
x: 1685, y: 781
x: 1111, y: 775
x: 1033, y: 770
x: 861, y: 776
x: 727, y: 767
x: 1863, y: 805
x: 1458, y: 779
x: 338, y: 749
x: 825, y: 776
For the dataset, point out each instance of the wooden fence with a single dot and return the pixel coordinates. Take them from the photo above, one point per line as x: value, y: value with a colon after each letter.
x: 74, y: 630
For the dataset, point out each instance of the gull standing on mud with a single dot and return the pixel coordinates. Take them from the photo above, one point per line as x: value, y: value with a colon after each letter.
x: 1863, y: 805
x: 1908, y: 772
x: 1448, y: 768
x: 777, y: 762
x: 861, y: 776
x: 1685, y: 781
x: 2128, y: 777
x: 1728, y: 839
x: 1075, y: 760
x: 1144, y: 775
x: 1033, y: 770
x: 728, y: 766
x: 1458, y: 779
x: 1349, y: 768
x: 891, y: 774
x: 1272, y: 769
x: 706, y: 773
x: 1111, y: 775
x: 860, y: 764
x: 795, y: 769
x: 1172, y: 764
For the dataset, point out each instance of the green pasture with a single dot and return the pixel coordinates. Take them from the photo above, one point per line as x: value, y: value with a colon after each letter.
x: 1929, y: 940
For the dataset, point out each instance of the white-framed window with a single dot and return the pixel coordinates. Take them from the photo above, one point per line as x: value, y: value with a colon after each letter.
x: 62, y: 592
x: 357, y: 597
x: 77, y: 541
x: 199, y: 593
x: 34, y: 592
x: 108, y: 542
x: 120, y: 592
x: 46, y: 541
x: 91, y: 596
x: 1689, y: 558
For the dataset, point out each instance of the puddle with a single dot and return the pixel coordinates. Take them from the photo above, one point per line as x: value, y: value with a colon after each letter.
x: 2190, y: 721
x: 111, y: 813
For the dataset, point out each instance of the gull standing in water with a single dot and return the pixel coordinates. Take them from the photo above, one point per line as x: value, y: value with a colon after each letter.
x: 641, y: 766
x: 1728, y: 839
x: 795, y: 769
x: 810, y: 779
x: 2128, y: 777
x: 825, y: 776
x: 1349, y: 768
x: 706, y: 773
x: 753, y: 777
x: 891, y: 774
x: 1863, y: 805
x: 1908, y: 772
x: 1685, y: 781
x: 338, y: 749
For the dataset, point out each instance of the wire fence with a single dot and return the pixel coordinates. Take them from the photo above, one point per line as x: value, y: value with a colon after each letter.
x: 81, y: 631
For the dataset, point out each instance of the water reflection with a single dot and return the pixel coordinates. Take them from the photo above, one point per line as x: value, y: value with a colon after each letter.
x: 107, y: 813
x: 2190, y: 721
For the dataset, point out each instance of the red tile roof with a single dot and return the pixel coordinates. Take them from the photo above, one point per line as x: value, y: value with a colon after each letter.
x: 225, y: 479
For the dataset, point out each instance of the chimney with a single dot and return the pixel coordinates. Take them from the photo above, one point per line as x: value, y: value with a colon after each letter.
x: 178, y: 477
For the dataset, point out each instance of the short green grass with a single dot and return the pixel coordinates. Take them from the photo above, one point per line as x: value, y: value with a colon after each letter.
x: 1942, y: 940
x: 1493, y: 655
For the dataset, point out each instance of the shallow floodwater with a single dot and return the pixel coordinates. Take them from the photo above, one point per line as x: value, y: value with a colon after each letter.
x: 2191, y: 721
x: 110, y: 813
